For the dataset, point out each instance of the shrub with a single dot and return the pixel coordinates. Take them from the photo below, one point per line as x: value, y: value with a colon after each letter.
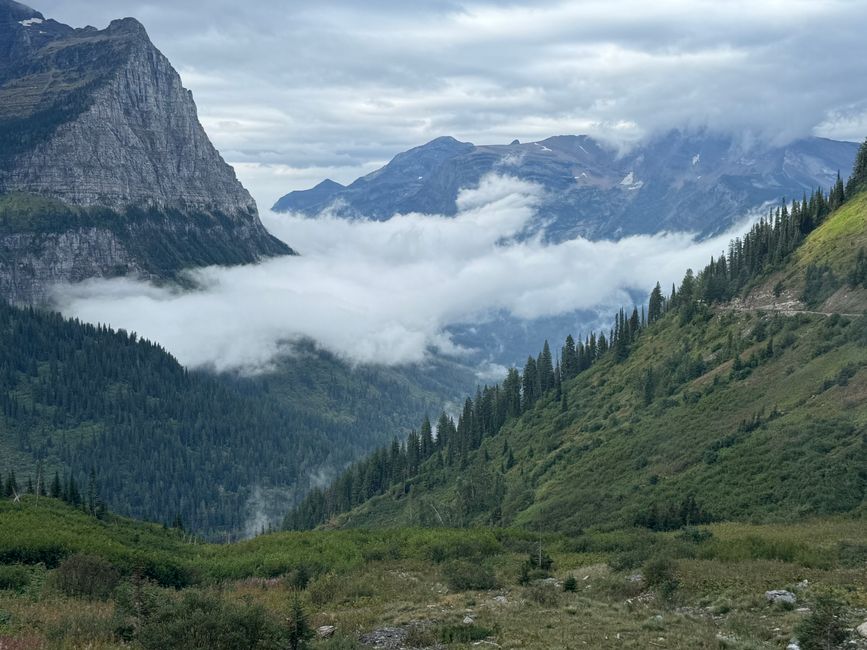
x: 323, y: 589
x: 200, y: 620
x: 823, y: 628
x: 299, y: 577
x: 14, y: 577
x: 461, y: 575
x: 464, y: 633
x: 694, y: 535
x: 660, y: 574
x: 570, y: 584
x: 420, y: 636
x: 87, y: 576
x: 543, y: 594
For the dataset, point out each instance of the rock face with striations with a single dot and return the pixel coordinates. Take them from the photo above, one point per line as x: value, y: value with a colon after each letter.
x: 104, y: 166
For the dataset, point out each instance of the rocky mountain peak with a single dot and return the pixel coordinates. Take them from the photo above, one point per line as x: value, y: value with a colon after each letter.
x: 11, y: 11
x: 99, y: 120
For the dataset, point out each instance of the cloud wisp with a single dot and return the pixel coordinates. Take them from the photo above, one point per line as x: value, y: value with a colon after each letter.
x: 386, y: 292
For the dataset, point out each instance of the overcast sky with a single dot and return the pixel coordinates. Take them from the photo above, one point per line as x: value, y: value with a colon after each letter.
x: 292, y: 92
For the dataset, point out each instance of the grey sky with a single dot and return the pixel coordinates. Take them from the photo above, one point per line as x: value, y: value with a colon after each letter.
x: 292, y: 92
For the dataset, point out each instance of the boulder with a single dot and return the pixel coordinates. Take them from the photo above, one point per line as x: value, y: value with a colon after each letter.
x: 325, y: 631
x: 468, y: 620
x: 862, y: 629
x: 780, y: 597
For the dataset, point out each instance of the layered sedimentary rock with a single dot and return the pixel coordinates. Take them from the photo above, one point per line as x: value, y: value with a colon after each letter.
x: 104, y: 166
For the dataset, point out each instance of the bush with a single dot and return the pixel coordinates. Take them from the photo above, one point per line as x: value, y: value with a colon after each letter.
x: 299, y: 577
x: 87, y: 576
x: 570, y: 584
x: 461, y: 575
x: 464, y: 633
x: 323, y: 589
x: 694, y: 535
x: 14, y: 577
x: 823, y: 629
x: 200, y: 620
x: 660, y: 574
x: 543, y: 594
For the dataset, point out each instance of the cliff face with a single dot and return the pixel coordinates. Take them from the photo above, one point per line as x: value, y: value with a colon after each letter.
x: 99, y: 119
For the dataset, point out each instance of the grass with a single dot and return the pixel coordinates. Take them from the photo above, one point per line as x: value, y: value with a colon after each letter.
x: 364, y: 580
x: 836, y: 242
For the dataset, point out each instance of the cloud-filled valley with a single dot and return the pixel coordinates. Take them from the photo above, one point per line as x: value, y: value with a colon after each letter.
x: 386, y: 292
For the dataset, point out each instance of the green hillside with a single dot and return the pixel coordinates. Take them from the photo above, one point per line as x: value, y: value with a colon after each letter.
x: 227, y: 454
x: 707, y: 409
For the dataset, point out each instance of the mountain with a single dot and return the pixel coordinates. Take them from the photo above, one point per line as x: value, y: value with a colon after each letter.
x: 740, y: 396
x: 104, y: 167
x: 701, y: 182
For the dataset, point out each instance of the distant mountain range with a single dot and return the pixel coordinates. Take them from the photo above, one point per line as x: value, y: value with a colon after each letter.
x: 699, y: 182
x: 104, y: 167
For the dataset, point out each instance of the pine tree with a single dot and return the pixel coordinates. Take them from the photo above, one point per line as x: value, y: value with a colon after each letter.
x: 11, y: 488
x: 858, y: 179
x: 545, y: 368
x: 56, y: 491
x: 91, y: 492
x: 299, y: 627
x: 427, y: 441
x: 569, y: 365
x: 530, y: 383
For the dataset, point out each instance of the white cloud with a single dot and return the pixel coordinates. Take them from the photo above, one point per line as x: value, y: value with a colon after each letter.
x: 342, y: 83
x: 385, y: 292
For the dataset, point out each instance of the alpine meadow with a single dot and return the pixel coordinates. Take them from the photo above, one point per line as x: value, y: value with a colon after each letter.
x: 597, y: 382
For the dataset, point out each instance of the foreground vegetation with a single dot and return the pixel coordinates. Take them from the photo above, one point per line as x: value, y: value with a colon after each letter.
x: 70, y: 580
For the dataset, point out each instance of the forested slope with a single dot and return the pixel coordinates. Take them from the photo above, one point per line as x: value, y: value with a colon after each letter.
x: 224, y: 453
x: 706, y: 407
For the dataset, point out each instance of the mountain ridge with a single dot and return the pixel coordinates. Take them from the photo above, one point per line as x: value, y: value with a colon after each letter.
x: 701, y: 182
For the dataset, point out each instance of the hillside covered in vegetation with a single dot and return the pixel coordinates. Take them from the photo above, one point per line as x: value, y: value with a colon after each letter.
x: 739, y: 395
x: 104, y: 411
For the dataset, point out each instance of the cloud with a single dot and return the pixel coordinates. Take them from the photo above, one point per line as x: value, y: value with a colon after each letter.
x: 339, y: 84
x: 387, y: 292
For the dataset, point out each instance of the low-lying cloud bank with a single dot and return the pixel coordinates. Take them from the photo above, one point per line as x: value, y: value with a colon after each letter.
x: 385, y: 292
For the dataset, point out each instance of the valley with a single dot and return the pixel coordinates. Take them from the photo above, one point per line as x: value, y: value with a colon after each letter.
x: 602, y: 390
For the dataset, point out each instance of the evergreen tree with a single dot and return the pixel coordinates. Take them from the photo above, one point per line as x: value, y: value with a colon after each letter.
x: 858, y: 179
x: 11, y: 488
x: 569, y: 366
x: 655, y: 304
x: 299, y: 630
x: 56, y: 491
x: 530, y: 383
x: 427, y: 441
x: 545, y: 368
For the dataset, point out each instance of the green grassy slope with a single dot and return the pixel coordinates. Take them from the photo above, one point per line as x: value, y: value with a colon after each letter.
x: 779, y: 437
